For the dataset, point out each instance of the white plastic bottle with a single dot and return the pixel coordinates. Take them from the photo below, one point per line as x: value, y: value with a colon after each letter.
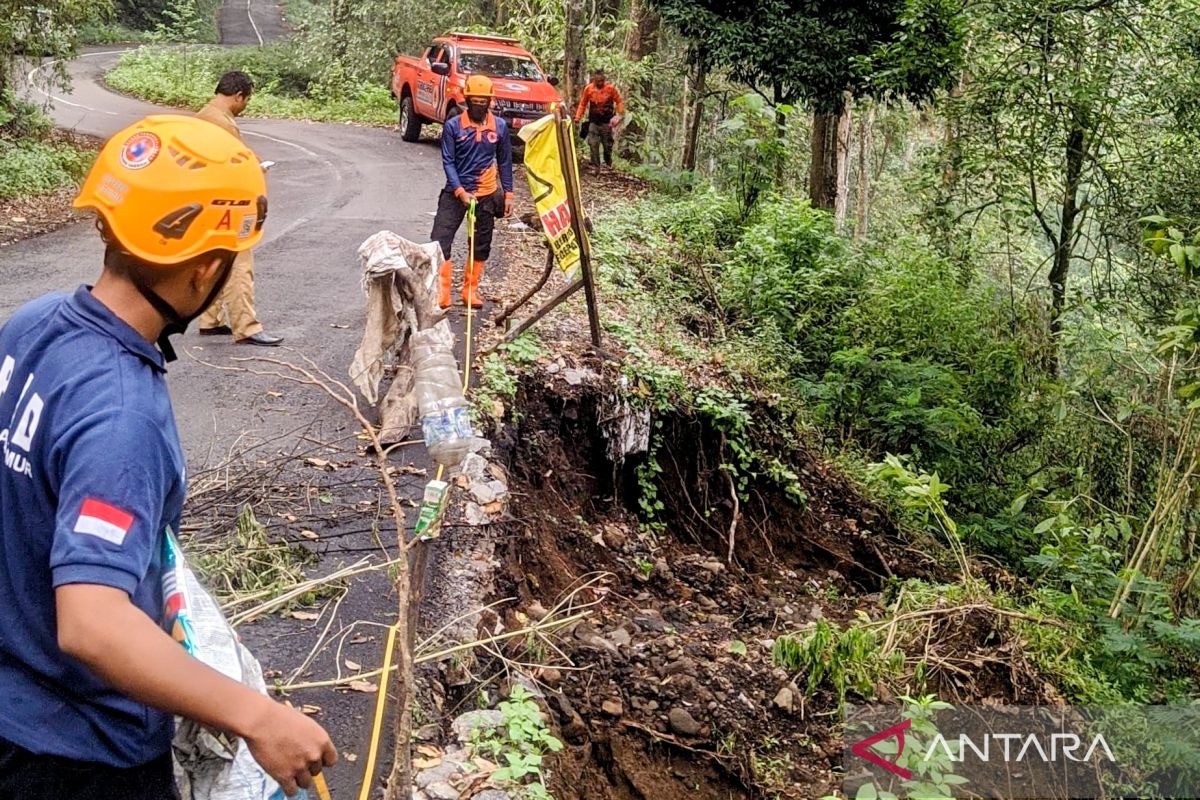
x: 445, y: 415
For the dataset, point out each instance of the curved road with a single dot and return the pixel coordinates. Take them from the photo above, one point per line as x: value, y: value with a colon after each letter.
x: 334, y: 186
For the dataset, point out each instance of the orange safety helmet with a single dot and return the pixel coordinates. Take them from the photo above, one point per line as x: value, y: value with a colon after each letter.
x: 479, y: 86
x: 170, y: 188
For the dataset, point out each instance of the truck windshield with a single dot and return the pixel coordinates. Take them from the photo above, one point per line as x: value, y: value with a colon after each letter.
x: 497, y: 65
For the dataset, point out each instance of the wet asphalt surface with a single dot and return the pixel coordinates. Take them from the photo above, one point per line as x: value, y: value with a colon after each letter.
x: 333, y: 186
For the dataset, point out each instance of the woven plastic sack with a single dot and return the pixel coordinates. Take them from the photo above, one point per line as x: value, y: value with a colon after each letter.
x: 211, y: 765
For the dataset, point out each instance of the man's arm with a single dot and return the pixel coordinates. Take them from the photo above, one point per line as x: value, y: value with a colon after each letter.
x: 101, y: 628
x: 584, y: 99
x: 448, y: 151
x: 504, y: 158
x: 116, y: 472
x: 619, y: 101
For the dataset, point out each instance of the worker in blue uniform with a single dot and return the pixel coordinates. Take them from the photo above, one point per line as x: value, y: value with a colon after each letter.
x: 477, y: 159
x: 92, y: 483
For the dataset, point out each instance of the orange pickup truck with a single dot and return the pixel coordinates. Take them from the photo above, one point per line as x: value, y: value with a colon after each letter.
x: 430, y: 88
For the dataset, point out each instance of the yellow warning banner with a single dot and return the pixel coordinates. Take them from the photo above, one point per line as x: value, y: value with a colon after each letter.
x: 544, y: 169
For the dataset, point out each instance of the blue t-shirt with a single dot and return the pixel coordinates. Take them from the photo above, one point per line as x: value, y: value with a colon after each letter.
x: 92, y: 474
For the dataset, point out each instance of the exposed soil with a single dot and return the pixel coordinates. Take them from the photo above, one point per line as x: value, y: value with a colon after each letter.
x: 670, y: 690
x: 24, y: 217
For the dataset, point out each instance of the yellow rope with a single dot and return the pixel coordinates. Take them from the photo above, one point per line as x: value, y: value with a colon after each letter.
x: 381, y: 698
x: 380, y: 701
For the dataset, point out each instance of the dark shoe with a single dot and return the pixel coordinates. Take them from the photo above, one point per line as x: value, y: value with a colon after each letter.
x: 220, y: 330
x: 262, y: 340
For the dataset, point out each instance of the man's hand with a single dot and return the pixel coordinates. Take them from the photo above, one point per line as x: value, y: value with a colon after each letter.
x: 103, y: 630
x: 464, y: 197
x: 289, y: 746
x: 616, y: 120
x: 508, y: 204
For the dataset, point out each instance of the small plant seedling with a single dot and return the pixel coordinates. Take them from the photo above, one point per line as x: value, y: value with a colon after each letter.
x: 521, y: 743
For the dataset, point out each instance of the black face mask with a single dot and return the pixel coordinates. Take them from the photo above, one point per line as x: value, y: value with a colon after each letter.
x: 176, y: 323
x: 476, y: 113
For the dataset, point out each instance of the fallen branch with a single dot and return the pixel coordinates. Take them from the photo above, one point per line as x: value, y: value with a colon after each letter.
x: 673, y: 741
x: 301, y: 589
x: 440, y: 654
x: 934, y: 612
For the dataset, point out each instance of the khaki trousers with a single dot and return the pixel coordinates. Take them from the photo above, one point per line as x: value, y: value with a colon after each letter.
x: 237, y: 298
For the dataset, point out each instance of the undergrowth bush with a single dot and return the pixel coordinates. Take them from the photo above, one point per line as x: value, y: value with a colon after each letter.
x: 283, y: 86
x: 30, y: 168
x: 888, y: 347
x: 31, y: 164
x: 883, y: 345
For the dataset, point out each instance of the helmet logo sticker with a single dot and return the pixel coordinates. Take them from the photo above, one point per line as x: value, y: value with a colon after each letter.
x: 247, y: 226
x: 140, y: 150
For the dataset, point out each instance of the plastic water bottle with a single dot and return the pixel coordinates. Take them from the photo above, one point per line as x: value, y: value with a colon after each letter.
x: 445, y: 416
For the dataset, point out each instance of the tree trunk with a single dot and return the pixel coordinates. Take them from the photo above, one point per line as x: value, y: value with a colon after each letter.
x: 340, y: 38
x: 842, y: 198
x: 693, y: 136
x: 641, y: 41
x: 1065, y: 246
x: 575, y: 57
x: 866, y: 141
x: 827, y: 159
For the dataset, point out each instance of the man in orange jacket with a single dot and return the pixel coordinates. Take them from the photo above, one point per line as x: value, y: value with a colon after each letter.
x: 602, y: 104
x: 477, y: 159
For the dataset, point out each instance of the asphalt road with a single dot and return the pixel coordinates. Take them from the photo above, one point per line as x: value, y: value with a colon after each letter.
x: 333, y: 186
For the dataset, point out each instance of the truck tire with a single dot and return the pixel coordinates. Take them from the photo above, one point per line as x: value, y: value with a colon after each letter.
x: 410, y: 123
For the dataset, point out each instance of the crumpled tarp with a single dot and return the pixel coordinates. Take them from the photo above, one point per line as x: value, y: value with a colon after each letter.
x: 398, y: 279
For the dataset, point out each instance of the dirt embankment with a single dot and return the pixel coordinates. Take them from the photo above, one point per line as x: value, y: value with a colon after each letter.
x: 669, y: 690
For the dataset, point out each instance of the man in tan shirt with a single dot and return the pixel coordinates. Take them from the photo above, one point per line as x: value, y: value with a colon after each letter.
x: 237, y: 298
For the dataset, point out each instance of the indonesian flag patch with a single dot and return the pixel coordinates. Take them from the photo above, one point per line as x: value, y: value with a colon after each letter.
x: 101, y: 520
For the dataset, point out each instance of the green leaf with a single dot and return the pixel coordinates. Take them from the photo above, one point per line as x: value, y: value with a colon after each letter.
x: 737, y: 647
x: 1045, y: 525
x: 1178, y: 256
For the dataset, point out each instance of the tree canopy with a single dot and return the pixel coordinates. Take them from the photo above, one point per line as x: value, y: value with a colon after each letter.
x: 817, y: 52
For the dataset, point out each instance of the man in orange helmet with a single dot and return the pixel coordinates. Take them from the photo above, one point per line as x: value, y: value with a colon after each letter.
x: 602, y: 104
x: 477, y: 159
x: 237, y: 298
x: 92, y: 484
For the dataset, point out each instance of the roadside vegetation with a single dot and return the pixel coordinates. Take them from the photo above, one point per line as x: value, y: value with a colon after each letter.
x: 986, y: 315
x: 32, y: 162
x: 36, y: 161
x: 282, y: 89
x: 316, y: 74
